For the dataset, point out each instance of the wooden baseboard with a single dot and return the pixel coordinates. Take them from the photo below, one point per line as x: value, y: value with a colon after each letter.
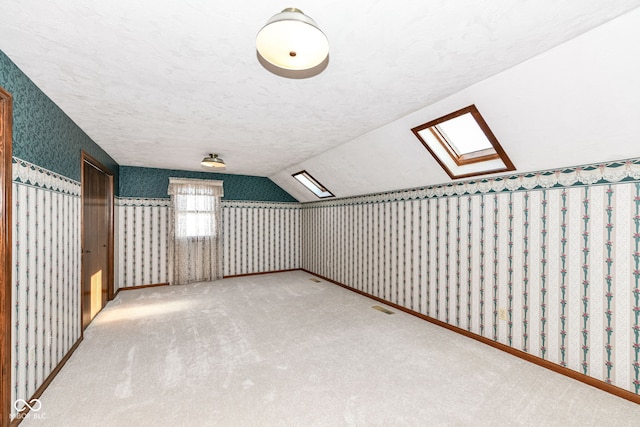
x: 46, y: 383
x: 261, y: 272
x: 578, y: 376
x: 131, y: 288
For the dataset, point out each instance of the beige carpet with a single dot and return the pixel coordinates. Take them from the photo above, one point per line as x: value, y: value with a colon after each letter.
x: 283, y: 350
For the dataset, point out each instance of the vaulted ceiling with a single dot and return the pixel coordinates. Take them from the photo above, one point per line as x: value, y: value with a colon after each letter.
x: 162, y: 84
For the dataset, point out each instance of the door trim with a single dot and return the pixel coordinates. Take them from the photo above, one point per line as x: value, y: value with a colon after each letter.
x: 86, y: 158
x: 5, y: 254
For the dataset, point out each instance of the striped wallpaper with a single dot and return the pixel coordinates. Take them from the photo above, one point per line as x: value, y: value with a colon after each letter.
x: 548, y: 264
x: 257, y: 237
x: 142, y: 242
x: 260, y: 237
x: 46, y: 274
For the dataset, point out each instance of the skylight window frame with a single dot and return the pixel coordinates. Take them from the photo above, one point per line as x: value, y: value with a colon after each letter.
x: 496, y: 153
x: 318, y: 186
x: 465, y: 158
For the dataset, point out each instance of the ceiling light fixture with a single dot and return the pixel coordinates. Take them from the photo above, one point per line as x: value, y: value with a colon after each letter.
x: 291, y: 45
x: 213, y: 161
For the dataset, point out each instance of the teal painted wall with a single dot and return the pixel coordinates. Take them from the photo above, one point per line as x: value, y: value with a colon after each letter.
x: 42, y: 133
x: 152, y: 183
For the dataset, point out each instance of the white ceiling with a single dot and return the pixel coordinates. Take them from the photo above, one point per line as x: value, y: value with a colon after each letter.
x: 163, y: 83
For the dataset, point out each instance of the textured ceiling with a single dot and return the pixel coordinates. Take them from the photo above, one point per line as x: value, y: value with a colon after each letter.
x: 163, y: 83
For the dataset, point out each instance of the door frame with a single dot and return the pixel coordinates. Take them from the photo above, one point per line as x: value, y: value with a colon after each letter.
x: 86, y: 158
x: 6, y: 124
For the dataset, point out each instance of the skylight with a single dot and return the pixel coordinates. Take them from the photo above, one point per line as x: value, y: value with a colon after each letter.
x: 312, y: 184
x: 464, y: 135
x: 463, y: 144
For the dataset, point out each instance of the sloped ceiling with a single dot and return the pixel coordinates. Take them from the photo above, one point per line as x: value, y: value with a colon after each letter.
x: 161, y: 84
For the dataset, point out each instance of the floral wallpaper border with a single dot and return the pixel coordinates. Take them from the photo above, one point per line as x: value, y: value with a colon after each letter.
x: 149, y: 202
x: 260, y: 205
x: 141, y: 202
x: 594, y: 174
x: 30, y: 174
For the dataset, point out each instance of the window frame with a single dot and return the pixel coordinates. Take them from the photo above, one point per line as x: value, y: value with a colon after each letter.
x: 194, y: 214
x: 465, y: 159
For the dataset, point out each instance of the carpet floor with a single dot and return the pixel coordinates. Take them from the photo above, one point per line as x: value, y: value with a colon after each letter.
x: 284, y: 350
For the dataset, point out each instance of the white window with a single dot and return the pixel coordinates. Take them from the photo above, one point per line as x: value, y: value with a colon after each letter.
x: 193, y: 216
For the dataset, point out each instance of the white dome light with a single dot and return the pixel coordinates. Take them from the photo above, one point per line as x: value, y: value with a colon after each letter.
x: 292, y: 41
